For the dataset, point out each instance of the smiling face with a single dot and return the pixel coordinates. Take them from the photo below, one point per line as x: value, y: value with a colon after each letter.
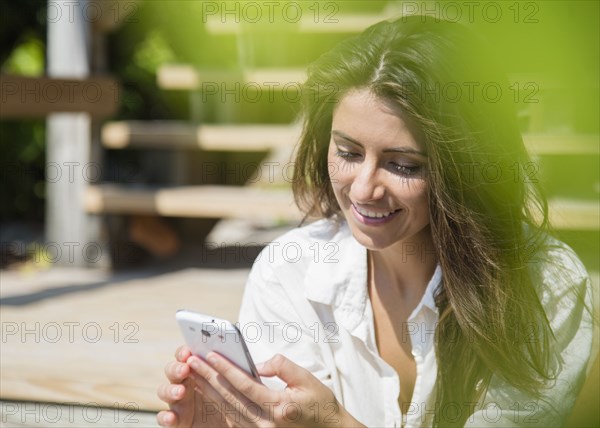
x: 377, y: 171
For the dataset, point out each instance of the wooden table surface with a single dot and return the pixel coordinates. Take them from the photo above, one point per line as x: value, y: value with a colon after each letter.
x: 89, y: 346
x: 81, y: 337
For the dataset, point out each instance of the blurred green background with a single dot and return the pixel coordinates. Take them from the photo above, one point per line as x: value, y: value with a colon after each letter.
x: 557, y: 40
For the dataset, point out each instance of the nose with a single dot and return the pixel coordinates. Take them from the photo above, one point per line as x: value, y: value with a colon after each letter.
x: 367, y: 186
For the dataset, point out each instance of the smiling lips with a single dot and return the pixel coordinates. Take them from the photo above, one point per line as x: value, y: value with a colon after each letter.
x: 372, y: 218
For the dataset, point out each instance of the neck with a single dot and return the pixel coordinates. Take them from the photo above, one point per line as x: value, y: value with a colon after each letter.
x: 408, y: 264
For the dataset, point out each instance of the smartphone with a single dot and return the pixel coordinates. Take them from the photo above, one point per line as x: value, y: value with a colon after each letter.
x: 205, y: 333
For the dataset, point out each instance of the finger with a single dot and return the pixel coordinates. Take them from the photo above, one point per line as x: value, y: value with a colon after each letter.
x: 214, y: 406
x: 215, y: 411
x: 176, y: 372
x: 166, y: 418
x: 246, y: 388
x: 183, y: 353
x: 218, y: 390
x: 184, y: 409
x: 288, y: 371
x: 170, y: 393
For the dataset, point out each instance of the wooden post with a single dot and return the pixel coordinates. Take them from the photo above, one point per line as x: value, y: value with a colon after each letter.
x: 68, y: 137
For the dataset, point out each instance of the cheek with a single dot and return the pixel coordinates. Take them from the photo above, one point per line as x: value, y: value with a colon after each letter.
x: 333, y: 169
x: 414, y: 192
x: 338, y: 172
x: 332, y: 166
x: 423, y: 198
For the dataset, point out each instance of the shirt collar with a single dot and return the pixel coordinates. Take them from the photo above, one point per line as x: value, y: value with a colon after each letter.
x: 339, y: 276
x: 340, y: 261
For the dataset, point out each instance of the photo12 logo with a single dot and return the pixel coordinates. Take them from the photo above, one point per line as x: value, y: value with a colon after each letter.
x: 489, y: 12
x: 92, y: 11
x: 57, y: 414
x: 68, y: 332
x: 253, y: 12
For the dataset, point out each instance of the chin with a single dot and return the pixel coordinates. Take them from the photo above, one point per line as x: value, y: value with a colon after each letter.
x: 380, y: 240
x: 373, y: 242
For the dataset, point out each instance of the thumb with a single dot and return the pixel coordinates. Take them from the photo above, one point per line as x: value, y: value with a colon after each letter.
x: 285, y: 369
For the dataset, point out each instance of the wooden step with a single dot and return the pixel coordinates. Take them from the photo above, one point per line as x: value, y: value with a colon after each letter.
x: 326, y: 20
x: 548, y: 144
x: 187, y: 77
x: 570, y: 214
x: 193, y: 201
x: 182, y: 135
x: 329, y: 22
x: 175, y: 134
x: 260, y: 203
x: 36, y: 97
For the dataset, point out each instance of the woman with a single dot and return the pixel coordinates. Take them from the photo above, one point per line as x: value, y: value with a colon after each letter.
x: 429, y: 293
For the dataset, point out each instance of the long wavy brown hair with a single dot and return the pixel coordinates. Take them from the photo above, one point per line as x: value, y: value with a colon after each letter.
x: 486, y: 219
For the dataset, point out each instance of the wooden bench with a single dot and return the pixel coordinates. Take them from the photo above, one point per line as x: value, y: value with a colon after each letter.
x: 327, y: 21
x: 253, y: 202
x: 199, y: 201
x: 194, y: 201
x: 184, y: 135
x: 187, y: 77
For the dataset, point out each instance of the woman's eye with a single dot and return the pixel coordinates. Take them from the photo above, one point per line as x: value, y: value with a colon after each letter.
x: 409, y: 171
x: 347, y: 155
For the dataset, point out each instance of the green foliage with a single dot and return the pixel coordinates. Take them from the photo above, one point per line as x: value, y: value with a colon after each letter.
x: 27, y: 58
x: 153, y: 52
x: 22, y: 143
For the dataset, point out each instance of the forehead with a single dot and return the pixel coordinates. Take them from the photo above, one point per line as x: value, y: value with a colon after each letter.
x: 372, y: 121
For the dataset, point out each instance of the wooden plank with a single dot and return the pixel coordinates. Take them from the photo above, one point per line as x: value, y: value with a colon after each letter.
x: 194, y: 201
x: 548, y: 144
x: 328, y: 21
x: 172, y: 134
x: 33, y: 97
x: 253, y: 202
x: 277, y: 78
x: 568, y: 214
x: 85, y: 346
x: 186, y: 77
x: 177, y: 76
x: 125, y: 364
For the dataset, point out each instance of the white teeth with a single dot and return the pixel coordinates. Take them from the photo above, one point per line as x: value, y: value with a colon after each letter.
x: 372, y: 214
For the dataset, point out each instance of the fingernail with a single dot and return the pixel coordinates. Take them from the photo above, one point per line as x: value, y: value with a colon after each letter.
x: 176, y: 391
x: 212, y: 358
x: 194, y: 363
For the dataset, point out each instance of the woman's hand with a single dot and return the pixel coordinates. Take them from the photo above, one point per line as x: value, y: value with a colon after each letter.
x: 185, y: 403
x: 242, y: 401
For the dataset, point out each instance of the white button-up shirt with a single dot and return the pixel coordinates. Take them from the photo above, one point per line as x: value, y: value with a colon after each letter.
x: 307, y: 298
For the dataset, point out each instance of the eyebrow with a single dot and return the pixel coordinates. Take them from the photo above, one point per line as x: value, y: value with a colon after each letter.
x: 409, y: 150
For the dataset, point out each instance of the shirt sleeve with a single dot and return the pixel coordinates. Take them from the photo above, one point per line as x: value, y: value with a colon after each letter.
x: 566, y: 296
x: 271, y: 325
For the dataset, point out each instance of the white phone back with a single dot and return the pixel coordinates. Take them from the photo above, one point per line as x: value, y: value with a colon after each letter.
x: 205, y: 333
